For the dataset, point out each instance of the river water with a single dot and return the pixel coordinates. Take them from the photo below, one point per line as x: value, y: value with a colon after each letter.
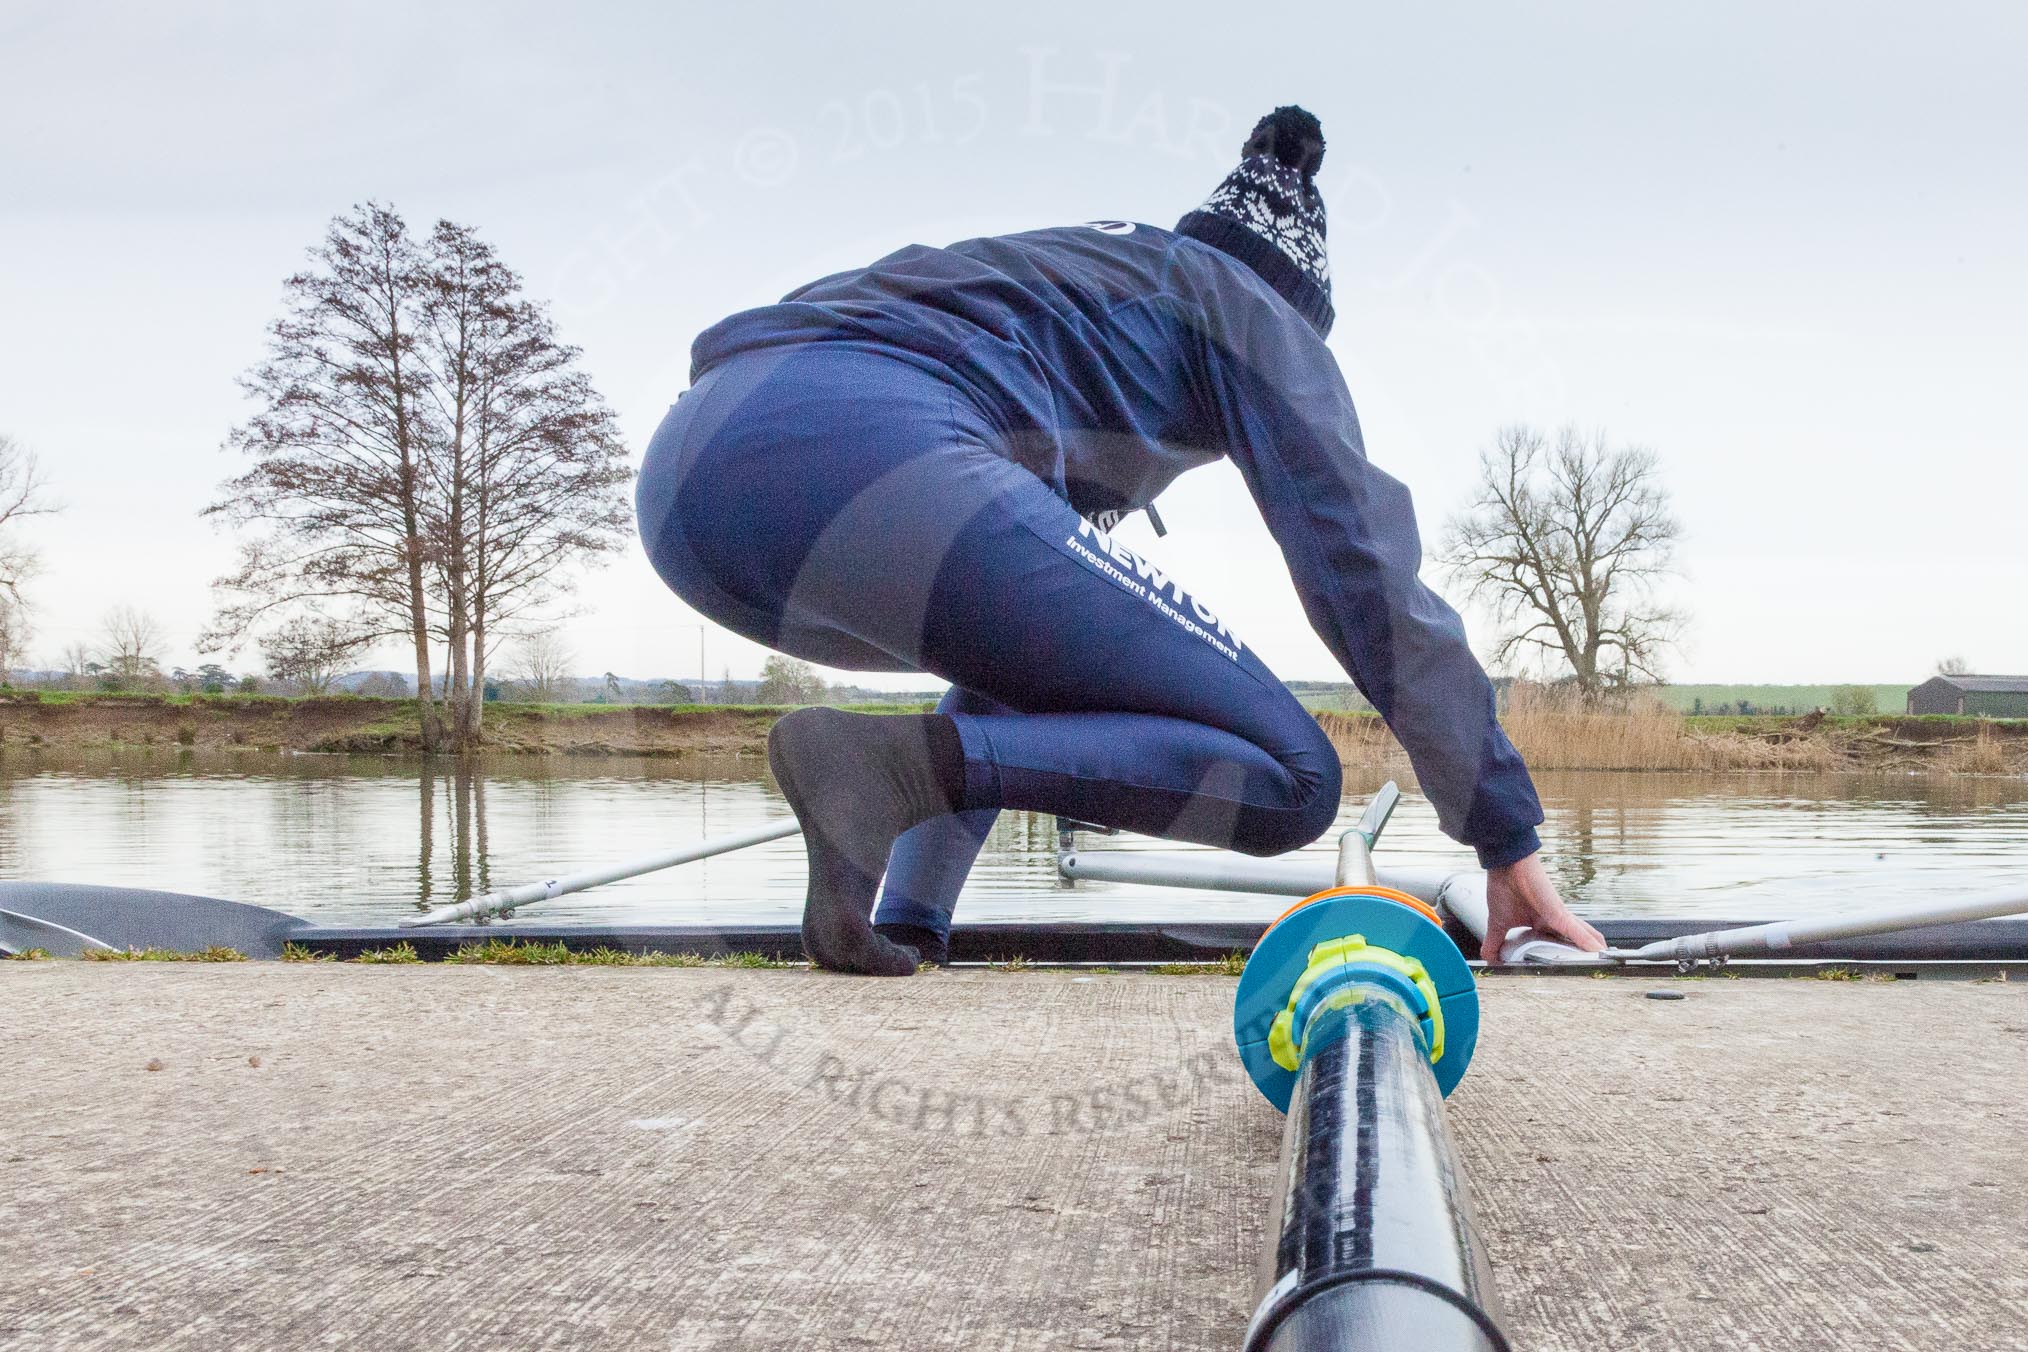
x: 367, y: 840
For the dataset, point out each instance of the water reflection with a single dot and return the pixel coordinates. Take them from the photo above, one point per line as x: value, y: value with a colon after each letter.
x: 465, y: 809
x: 367, y: 839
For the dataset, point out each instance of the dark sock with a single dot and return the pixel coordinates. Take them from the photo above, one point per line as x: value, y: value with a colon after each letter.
x: 857, y: 781
x: 930, y: 946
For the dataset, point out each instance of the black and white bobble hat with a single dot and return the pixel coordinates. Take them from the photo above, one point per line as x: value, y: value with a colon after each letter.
x: 1269, y: 215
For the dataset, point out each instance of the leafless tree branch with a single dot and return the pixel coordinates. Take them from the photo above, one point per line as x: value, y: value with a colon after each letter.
x: 425, y: 457
x: 1565, y: 541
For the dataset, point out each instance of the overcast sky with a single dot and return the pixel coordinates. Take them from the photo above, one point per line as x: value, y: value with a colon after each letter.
x: 1782, y: 246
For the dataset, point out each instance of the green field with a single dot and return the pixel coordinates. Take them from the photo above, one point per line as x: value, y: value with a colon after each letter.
x: 1703, y: 699
x: 1794, y: 699
x: 1321, y: 695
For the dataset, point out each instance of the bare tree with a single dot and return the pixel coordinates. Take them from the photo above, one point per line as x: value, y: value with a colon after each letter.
x: 312, y: 651
x: 1953, y: 666
x: 1567, y: 541
x: 532, y: 465
x: 426, y: 450
x: 15, y: 631
x: 77, y: 664
x: 22, y: 495
x: 462, y: 287
x: 131, y: 647
x: 542, y: 666
x: 337, y: 495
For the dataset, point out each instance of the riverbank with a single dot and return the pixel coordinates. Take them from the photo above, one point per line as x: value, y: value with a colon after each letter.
x: 704, y: 1158
x: 359, y: 724
x: 1659, y: 739
x: 1651, y: 738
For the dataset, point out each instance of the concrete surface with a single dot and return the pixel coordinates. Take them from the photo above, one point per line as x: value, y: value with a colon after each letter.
x: 507, y: 1157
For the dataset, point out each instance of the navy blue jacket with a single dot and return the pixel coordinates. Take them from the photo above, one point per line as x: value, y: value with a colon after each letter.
x: 1115, y: 356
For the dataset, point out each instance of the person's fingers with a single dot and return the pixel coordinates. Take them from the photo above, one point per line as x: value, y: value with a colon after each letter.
x: 1566, y: 923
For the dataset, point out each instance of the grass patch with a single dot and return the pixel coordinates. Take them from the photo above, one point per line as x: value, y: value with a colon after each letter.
x: 515, y: 953
x: 160, y: 699
x: 490, y: 953
x: 751, y: 960
x: 1232, y: 964
x: 1837, y: 974
x: 216, y: 953
x: 1017, y: 963
x: 395, y: 727
x: 512, y: 953
x: 618, y: 957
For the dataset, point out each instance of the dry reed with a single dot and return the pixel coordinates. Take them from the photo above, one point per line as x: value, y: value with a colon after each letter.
x: 1557, y: 732
x: 1554, y: 731
x: 1979, y: 754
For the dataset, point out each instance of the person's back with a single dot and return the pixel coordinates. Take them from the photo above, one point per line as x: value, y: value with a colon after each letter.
x: 1090, y: 346
x: 914, y: 466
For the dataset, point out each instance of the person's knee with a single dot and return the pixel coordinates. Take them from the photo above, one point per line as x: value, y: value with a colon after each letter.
x: 1319, y: 808
x: 1321, y: 785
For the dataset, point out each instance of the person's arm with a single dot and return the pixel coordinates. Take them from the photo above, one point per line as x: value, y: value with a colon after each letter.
x: 1348, y: 533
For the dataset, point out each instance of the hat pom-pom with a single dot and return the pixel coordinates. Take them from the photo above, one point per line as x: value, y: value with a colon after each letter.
x: 1293, y: 136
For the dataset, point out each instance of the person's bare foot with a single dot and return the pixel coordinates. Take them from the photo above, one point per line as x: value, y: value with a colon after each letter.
x: 856, y: 782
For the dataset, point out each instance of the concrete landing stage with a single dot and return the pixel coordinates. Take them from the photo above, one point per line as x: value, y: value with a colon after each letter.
x: 282, y: 1156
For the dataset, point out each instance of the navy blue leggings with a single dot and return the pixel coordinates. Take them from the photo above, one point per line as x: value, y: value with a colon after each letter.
x: 837, y: 503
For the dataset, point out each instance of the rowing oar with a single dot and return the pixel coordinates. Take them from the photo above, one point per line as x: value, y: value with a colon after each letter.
x: 495, y: 903
x: 1782, y: 934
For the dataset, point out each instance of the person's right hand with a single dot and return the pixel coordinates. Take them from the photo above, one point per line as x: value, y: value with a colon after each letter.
x: 1519, y: 894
